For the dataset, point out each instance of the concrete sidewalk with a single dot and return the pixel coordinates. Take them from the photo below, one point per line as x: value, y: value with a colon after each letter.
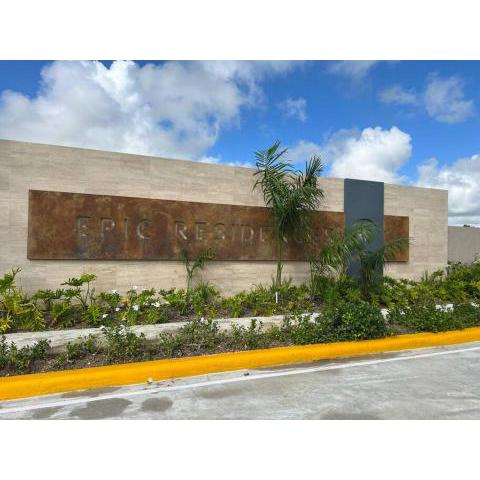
x: 434, y: 383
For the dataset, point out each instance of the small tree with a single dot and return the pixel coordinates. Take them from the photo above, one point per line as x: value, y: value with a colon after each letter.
x: 340, y: 248
x: 344, y: 247
x: 372, y: 262
x: 192, y: 265
x: 292, y: 194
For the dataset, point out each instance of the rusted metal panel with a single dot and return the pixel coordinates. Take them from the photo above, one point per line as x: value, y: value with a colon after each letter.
x: 104, y: 227
x: 397, y: 227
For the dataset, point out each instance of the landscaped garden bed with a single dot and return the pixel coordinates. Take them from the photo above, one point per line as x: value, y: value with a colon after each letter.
x: 344, y: 315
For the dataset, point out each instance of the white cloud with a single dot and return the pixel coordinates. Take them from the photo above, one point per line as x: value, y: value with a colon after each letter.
x: 396, y: 95
x: 218, y: 160
x: 445, y: 100
x: 303, y: 151
x: 461, y: 179
x: 294, y: 108
x: 176, y: 109
x: 355, y: 70
x: 370, y: 154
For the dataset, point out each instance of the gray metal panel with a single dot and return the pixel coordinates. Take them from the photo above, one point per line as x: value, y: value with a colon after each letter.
x: 364, y: 200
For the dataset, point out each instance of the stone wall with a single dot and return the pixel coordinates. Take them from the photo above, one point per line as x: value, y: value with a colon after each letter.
x: 428, y: 212
x: 463, y: 244
x: 25, y: 166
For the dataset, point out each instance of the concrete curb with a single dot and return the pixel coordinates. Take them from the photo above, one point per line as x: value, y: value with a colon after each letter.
x: 22, y: 386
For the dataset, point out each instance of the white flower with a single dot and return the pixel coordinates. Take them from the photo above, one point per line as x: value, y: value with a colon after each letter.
x: 448, y: 307
x: 135, y: 307
x: 104, y: 315
x: 114, y: 291
x: 157, y: 304
x: 117, y: 309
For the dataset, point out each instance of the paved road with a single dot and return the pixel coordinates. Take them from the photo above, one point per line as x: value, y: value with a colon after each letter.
x: 435, y: 383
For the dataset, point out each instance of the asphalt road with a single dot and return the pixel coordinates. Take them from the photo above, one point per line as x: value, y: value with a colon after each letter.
x: 434, y: 383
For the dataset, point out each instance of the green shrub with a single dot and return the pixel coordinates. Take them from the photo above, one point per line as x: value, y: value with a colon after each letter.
x: 201, y: 335
x: 358, y: 320
x: 16, y: 310
x: 428, y: 317
x: 261, y: 301
x: 81, y: 348
x: 20, y: 360
x: 330, y: 290
x: 95, y: 316
x: 303, y: 330
x: 252, y: 337
x: 196, y: 337
x: 235, y: 306
x: 176, y: 299
x: 468, y: 314
x: 463, y: 278
x: 421, y: 317
x: 48, y: 297
x: 203, y: 300
x: 458, y: 284
x: 110, y: 300
x: 82, y: 289
x: 154, y: 315
x: 343, y: 321
x: 64, y: 314
x: 122, y: 344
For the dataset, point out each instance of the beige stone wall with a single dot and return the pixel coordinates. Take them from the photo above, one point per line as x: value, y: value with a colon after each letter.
x: 428, y: 212
x: 463, y: 244
x: 25, y: 166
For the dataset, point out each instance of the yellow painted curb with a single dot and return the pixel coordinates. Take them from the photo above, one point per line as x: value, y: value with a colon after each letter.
x: 21, y: 386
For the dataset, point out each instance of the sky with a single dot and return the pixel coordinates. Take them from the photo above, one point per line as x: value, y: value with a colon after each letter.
x: 409, y: 122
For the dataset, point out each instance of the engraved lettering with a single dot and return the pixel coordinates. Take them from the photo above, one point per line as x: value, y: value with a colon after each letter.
x: 200, y: 231
x: 82, y: 228
x: 181, y: 230
x: 106, y: 225
x: 264, y: 233
x: 141, y: 233
x: 247, y: 234
x: 220, y: 233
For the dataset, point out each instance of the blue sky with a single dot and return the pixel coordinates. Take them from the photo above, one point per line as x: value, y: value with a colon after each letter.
x: 414, y: 122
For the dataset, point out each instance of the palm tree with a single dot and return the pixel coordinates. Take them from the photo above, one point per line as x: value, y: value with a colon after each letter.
x: 372, y: 262
x: 344, y: 247
x: 292, y: 194
x: 340, y: 248
x: 192, y: 265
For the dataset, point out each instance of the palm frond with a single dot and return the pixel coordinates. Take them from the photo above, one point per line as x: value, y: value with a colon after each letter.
x: 342, y: 246
x: 373, y: 262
